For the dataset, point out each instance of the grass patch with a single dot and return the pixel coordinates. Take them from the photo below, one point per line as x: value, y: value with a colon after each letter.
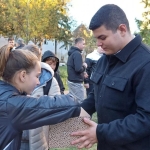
x: 63, y: 75
x: 93, y: 148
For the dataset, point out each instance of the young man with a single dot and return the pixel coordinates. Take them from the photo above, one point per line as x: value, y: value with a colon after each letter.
x: 20, y: 43
x: 76, y: 69
x: 11, y: 42
x: 50, y: 58
x: 121, y: 95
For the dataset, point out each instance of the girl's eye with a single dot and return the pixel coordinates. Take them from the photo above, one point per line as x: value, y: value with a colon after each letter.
x: 38, y: 76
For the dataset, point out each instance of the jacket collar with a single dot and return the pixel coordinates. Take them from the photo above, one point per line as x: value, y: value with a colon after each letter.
x: 128, y: 49
x: 47, y: 67
x: 8, y: 87
x: 76, y: 48
x: 73, y: 49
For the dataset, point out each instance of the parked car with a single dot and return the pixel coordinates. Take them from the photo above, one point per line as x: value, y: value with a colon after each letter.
x: 62, y: 64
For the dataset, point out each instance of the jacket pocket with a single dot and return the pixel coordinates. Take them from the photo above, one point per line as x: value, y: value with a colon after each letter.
x: 114, y: 97
x: 117, y: 83
x: 95, y: 77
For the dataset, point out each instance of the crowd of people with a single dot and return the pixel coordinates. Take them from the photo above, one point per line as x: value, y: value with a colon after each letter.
x: 116, y: 77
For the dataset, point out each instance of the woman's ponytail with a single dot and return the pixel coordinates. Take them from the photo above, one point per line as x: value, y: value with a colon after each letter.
x: 4, y: 54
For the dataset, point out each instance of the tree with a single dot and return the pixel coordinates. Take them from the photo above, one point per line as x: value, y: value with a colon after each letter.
x: 144, y: 25
x: 83, y: 31
x: 35, y: 19
x: 144, y: 32
x: 61, y: 30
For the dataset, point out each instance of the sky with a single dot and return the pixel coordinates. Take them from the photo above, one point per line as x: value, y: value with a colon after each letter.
x: 83, y: 10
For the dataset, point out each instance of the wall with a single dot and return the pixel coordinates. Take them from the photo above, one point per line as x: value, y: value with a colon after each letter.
x: 62, y: 53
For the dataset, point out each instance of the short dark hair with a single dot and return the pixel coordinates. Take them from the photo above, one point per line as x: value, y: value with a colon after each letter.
x: 53, y: 59
x: 77, y: 40
x: 20, y: 41
x: 111, y: 16
x: 10, y: 39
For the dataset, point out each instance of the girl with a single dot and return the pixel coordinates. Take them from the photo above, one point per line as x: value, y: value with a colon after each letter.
x: 38, y: 138
x: 20, y: 71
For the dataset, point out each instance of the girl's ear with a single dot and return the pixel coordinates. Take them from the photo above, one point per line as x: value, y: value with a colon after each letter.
x: 22, y: 76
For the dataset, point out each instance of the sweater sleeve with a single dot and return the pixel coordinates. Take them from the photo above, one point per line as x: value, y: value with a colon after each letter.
x: 78, y: 63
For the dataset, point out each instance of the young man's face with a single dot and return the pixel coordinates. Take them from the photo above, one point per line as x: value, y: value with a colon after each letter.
x: 11, y: 43
x: 109, y: 41
x: 51, y: 63
x: 81, y: 45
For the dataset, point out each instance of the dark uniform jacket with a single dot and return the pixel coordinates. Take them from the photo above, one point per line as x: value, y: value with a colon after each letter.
x: 19, y: 112
x: 121, y: 98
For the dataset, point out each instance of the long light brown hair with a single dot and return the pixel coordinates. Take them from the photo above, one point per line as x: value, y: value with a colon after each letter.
x: 16, y: 60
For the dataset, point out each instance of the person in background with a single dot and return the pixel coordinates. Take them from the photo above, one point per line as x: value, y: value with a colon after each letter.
x: 91, y: 60
x: 50, y: 58
x: 11, y: 42
x: 38, y: 138
x: 121, y: 95
x: 76, y: 70
x: 20, y: 43
x: 20, y: 71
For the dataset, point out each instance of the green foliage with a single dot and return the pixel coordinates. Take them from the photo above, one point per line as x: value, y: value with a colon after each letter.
x: 144, y: 32
x: 94, y: 117
x: 83, y: 31
x: 35, y: 19
x: 144, y: 25
x: 72, y: 148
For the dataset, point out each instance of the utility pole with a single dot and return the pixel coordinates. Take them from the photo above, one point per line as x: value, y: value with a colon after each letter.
x: 55, y: 47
